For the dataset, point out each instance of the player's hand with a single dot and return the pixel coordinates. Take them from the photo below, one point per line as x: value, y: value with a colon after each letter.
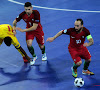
x: 50, y: 39
x: 85, y: 45
x: 19, y: 29
x: 14, y: 30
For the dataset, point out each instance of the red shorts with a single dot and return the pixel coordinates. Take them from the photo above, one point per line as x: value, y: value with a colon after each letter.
x: 36, y: 33
x: 77, y: 54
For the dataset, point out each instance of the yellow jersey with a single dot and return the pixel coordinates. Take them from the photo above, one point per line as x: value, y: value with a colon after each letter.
x: 6, y: 30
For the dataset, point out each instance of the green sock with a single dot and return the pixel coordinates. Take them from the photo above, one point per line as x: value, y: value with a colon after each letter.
x: 43, y: 50
x: 75, y: 66
x: 86, y: 65
x: 31, y: 50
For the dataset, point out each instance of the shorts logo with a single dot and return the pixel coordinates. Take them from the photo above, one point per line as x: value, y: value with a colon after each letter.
x: 74, y: 59
x: 72, y: 37
x: 17, y: 46
x: 82, y: 36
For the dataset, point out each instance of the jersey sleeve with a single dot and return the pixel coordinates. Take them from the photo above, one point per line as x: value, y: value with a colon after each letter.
x: 20, y: 16
x: 87, y: 32
x: 36, y: 16
x: 66, y: 31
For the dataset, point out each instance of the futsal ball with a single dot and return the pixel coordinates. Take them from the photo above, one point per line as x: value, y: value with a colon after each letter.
x: 79, y: 82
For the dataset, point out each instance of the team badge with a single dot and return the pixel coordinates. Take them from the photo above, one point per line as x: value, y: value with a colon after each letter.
x: 32, y: 19
x: 82, y: 36
x: 65, y: 31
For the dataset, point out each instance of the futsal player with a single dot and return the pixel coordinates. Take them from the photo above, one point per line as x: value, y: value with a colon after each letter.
x: 77, y: 47
x: 33, y: 29
x: 6, y: 35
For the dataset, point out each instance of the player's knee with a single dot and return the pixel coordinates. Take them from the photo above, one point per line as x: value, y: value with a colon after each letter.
x: 41, y: 46
x: 29, y: 44
x: 79, y: 63
x: 89, y: 60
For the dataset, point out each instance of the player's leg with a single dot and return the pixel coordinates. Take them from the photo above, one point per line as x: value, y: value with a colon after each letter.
x: 20, y: 49
x: 75, y: 66
x: 31, y: 50
x: 30, y: 47
x: 87, y: 56
x: 85, y: 69
x: 23, y: 53
x: 42, y: 47
x: 29, y: 40
x: 40, y: 41
x: 77, y: 61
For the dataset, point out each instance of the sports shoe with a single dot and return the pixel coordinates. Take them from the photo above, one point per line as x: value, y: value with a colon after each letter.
x: 74, y: 72
x: 44, y: 57
x: 33, y: 61
x: 87, y: 72
x: 25, y: 60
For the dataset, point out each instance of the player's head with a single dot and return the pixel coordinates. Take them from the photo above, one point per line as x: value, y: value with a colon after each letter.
x: 7, y: 41
x: 28, y: 8
x: 78, y: 24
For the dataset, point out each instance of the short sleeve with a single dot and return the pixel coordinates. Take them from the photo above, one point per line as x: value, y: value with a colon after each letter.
x: 66, y: 31
x: 36, y: 16
x: 87, y: 32
x: 20, y: 16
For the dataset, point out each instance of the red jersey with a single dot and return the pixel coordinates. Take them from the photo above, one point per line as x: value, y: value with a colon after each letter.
x: 76, y: 39
x: 33, y: 18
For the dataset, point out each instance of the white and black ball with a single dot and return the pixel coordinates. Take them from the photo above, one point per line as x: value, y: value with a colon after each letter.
x: 79, y: 82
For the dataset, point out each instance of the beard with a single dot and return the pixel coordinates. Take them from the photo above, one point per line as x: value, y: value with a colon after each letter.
x: 78, y: 30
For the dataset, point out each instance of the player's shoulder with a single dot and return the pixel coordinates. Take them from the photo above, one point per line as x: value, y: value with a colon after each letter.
x: 68, y: 31
x: 23, y: 13
x: 35, y: 11
x: 71, y: 29
x: 86, y: 30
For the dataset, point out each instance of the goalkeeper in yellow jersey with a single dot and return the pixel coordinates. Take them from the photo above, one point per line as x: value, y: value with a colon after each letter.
x: 6, y: 35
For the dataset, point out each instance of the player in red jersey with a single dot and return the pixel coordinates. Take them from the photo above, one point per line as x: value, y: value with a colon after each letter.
x: 77, y: 47
x: 33, y: 29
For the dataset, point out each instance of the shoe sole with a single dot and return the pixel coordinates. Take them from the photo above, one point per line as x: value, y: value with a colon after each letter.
x: 86, y: 74
x: 44, y: 59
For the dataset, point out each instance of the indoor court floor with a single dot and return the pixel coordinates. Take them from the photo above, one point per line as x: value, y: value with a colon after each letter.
x: 55, y: 73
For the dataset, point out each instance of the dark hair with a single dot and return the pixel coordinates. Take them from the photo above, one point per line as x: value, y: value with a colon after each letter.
x: 7, y: 41
x: 28, y: 4
x: 80, y: 21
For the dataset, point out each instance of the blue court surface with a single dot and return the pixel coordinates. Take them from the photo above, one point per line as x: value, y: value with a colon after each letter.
x: 55, y: 73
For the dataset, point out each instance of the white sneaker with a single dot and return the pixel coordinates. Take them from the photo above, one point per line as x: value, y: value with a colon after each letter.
x: 44, y: 57
x: 33, y: 61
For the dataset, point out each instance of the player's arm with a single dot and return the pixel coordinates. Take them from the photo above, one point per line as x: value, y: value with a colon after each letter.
x: 51, y: 39
x: 34, y: 27
x: 91, y: 41
x: 14, y: 26
x: 17, y: 20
